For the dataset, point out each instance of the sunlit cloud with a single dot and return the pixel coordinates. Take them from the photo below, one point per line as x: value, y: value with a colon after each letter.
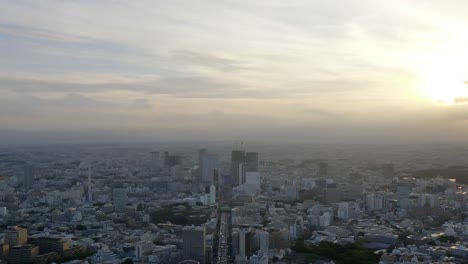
x: 299, y: 65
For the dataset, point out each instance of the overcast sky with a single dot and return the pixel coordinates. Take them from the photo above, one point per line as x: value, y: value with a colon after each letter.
x: 335, y: 70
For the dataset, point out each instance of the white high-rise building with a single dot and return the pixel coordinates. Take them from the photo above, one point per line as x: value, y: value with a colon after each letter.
x: 242, y: 257
x: 212, y: 194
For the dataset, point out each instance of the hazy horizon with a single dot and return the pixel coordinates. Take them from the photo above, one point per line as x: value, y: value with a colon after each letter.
x: 302, y: 71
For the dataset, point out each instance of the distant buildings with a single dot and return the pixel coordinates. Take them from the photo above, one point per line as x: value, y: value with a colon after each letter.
x: 241, y: 163
x: 193, y: 243
x: 119, y: 197
x: 171, y: 160
x: 155, y: 164
x: 403, y: 193
x: 15, y: 236
x: 23, y: 254
x: 322, y: 169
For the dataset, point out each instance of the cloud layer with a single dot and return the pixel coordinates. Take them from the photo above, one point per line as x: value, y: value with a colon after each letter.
x: 308, y: 70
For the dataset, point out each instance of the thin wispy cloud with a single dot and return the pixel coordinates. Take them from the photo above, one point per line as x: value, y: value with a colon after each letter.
x: 359, y: 61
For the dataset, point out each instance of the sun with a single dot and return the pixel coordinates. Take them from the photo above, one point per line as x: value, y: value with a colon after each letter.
x: 444, y: 87
x: 444, y: 81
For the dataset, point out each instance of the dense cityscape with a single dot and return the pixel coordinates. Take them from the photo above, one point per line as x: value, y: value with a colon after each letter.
x: 237, y: 203
x: 233, y: 132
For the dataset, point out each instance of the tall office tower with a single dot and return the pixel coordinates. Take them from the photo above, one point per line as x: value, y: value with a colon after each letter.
x: 194, y: 244
x: 242, y: 174
x: 209, y: 164
x: 155, y: 164
x: 245, y: 243
x: 322, y: 169
x: 90, y: 193
x: 15, y: 236
x: 251, y: 160
x: 28, y: 180
x: 388, y: 170
x: 237, y: 157
x: 242, y: 257
x: 119, y: 197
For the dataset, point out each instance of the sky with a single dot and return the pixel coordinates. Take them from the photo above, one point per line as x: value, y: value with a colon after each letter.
x: 305, y: 70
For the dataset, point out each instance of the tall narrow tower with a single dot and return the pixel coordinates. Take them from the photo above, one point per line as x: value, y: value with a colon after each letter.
x: 90, y: 194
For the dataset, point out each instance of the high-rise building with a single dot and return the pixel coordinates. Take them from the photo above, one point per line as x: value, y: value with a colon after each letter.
x: 241, y: 177
x: 28, y: 177
x: 242, y: 162
x: 194, y: 244
x: 16, y: 235
x: 251, y: 160
x: 237, y: 157
x: 212, y: 194
x: 245, y: 244
x: 119, y: 197
x: 209, y: 163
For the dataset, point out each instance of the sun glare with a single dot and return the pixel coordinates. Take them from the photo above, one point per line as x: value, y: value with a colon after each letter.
x: 444, y: 81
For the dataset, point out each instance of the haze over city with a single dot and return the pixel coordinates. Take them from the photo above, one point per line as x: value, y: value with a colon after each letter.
x: 233, y: 132
x: 313, y: 71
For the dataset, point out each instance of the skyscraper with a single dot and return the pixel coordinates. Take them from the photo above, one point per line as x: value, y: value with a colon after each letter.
x: 241, y: 163
x: 241, y: 173
x: 237, y: 157
x: 209, y: 163
x: 193, y: 243
x: 251, y: 160
x: 28, y: 177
